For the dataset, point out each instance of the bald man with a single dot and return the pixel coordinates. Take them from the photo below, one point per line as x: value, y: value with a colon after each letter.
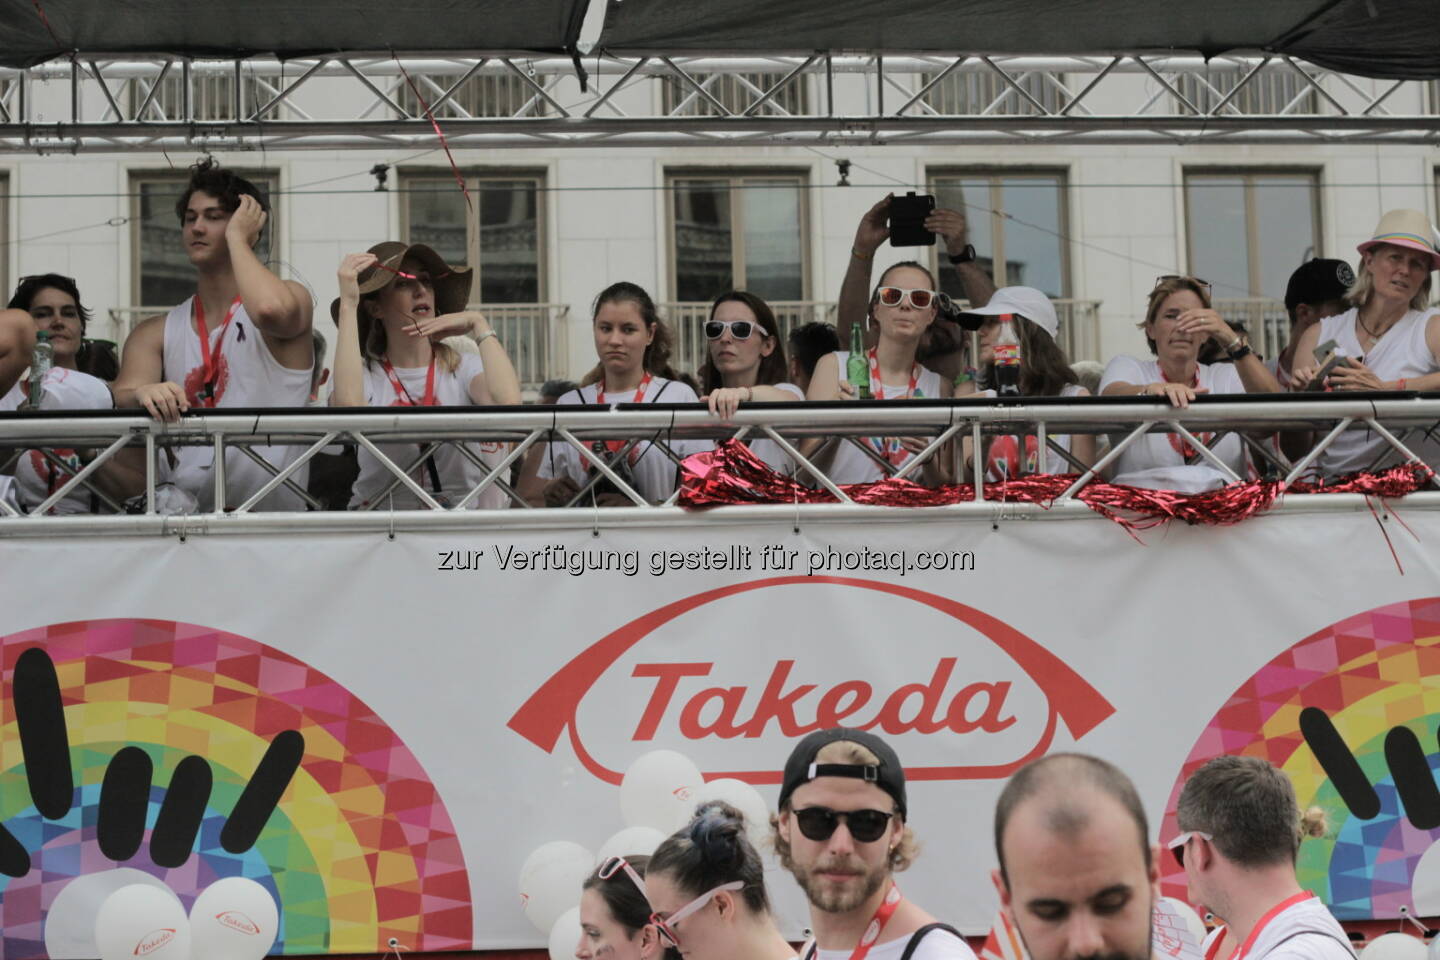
x: 1078, y: 875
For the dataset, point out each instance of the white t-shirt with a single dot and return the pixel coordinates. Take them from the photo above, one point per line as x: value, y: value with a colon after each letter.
x: 456, y: 474
x: 654, y: 473
x: 247, y: 375
x: 767, y: 449
x: 1401, y: 353
x: 35, y: 477
x: 935, y: 945
x: 1157, y: 461
x: 1054, y: 463
x: 853, y: 466
x: 1303, y: 931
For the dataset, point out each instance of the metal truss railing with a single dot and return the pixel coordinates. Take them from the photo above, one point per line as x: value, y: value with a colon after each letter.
x: 1401, y: 421
x: 110, y: 104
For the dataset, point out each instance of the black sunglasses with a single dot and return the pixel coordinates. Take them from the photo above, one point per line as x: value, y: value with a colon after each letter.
x: 866, y: 826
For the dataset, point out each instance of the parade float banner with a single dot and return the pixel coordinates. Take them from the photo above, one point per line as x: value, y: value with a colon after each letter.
x: 380, y: 731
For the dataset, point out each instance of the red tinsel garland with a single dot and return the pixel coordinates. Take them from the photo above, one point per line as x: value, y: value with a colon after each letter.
x: 732, y: 474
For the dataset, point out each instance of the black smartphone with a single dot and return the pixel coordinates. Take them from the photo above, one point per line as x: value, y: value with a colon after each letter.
x: 907, y: 220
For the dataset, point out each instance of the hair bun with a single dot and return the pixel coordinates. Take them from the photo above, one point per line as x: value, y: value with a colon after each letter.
x: 717, y: 832
x: 1314, y: 822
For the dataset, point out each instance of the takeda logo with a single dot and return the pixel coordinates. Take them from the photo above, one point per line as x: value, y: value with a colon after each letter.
x: 237, y: 921
x: 999, y: 699
x: 154, y: 940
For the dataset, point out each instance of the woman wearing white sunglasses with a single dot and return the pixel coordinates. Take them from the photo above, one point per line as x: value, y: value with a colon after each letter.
x: 706, y: 885
x: 746, y: 363
x: 903, y: 305
x: 614, y: 914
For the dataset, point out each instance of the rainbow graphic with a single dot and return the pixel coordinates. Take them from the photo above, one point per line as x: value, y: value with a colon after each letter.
x: 1350, y: 713
x: 353, y: 841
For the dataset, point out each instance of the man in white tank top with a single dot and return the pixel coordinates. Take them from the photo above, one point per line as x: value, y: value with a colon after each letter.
x: 1241, y: 831
x: 243, y: 340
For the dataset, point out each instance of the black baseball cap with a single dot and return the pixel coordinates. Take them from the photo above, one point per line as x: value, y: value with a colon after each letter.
x: 1317, y: 281
x: 801, y: 768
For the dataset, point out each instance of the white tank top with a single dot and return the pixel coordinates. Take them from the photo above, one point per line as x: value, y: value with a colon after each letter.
x: 35, y: 476
x: 1401, y: 353
x: 852, y: 465
x: 247, y: 375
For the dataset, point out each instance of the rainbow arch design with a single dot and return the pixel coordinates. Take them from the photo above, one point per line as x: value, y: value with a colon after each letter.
x: 1369, y: 674
x: 359, y: 849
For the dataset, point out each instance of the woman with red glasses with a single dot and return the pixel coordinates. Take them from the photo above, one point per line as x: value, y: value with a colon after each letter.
x: 746, y: 363
x: 706, y: 885
x: 903, y: 306
x: 614, y: 914
x: 1178, y: 323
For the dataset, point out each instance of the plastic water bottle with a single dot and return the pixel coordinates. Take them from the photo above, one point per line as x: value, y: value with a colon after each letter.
x: 857, y: 366
x: 41, y: 362
x: 1007, y: 358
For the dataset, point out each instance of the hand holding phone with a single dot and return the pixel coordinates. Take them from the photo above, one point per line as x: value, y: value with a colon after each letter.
x: 907, y: 220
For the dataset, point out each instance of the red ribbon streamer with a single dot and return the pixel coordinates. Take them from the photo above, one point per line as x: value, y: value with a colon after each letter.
x: 732, y: 474
x: 444, y: 144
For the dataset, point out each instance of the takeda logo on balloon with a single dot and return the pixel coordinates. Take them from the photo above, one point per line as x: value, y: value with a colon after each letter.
x: 737, y: 673
x: 153, y: 941
x: 237, y: 921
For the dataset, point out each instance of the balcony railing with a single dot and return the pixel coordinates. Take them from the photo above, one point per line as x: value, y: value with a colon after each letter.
x: 1079, y: 325
x: 1266, y: 321
x: 534, y: 334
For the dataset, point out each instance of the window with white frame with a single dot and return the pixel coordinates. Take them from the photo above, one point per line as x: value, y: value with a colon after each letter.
x: 1248, y: 230
x: 963, y: 93
x: 1017, y: 225
x: 212, y: 97
x: 161, y: 271
x: 498, y: 233
x: 736, y: 92
x: 1271, y: 91
x: 737, y: 230
x: 481, y: 95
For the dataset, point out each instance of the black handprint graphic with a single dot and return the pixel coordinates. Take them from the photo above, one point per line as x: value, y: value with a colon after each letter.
x: 126, y: 789
x: 1404, y: 755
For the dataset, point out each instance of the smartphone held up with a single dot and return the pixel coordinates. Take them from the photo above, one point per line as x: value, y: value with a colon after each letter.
x: 907, y: 220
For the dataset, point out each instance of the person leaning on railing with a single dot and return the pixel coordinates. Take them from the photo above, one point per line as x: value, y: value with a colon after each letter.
x: 1390, y: 335
x: 396, y: 303
x: 903, y: 307
x: 1178, y: 322
x: 633, y: 345
x: 746, y: 363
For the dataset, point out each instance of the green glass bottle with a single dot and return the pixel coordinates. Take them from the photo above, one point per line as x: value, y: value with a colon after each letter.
x: 857, y: 367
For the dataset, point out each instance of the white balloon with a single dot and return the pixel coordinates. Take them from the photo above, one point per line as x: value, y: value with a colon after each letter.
x: 630, y: 842
x: 234, y: 919
x: 70, y: 921
x: 1394, y: 946
x: 1433, y: 950
x: 744, y: 798
x: 550, y: 881
x: 659, y: 790
x: 565, y: 935
x: 1192, y: 919
x: 139, y: 921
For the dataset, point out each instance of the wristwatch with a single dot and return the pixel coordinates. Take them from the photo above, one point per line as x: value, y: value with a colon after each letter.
x: 1239, y: 350
x: 964, y: 256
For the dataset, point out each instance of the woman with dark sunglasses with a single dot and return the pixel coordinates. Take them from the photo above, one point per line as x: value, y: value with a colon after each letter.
x: 903, y: 306
x: 746, y: 363
x: 1178, y: 322
x: 614, y: 914
x: 706, y: 885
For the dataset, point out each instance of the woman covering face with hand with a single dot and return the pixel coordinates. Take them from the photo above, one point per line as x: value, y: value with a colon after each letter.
x: 396, y: 304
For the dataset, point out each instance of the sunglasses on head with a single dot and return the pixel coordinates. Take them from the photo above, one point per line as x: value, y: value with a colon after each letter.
x: 866, y: 826
x: 739, y: 329
x: 614, y: 865
x: 893, y: 296
x: 1176, y: 276
x: 666, y: 925
x: 1178, y: 845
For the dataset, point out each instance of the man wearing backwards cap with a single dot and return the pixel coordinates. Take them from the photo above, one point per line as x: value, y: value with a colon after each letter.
x: 841, y: 831
x: 243, y: 340
x: 1316, y: 290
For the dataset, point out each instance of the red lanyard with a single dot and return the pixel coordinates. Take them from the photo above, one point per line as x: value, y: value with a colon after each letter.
x: 614, y: 445
x: 402, y: 396
x: 1178, y: 443
x: 889, y: 447
x: 877, y: 923
x: 206, y: 396
x: 1244, y: 949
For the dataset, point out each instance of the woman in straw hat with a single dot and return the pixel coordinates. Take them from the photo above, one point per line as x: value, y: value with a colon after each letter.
x: 1390, y: 336
x: 396, y: 304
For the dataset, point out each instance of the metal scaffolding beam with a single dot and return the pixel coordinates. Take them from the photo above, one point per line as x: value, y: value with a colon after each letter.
x: 95, y: 104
